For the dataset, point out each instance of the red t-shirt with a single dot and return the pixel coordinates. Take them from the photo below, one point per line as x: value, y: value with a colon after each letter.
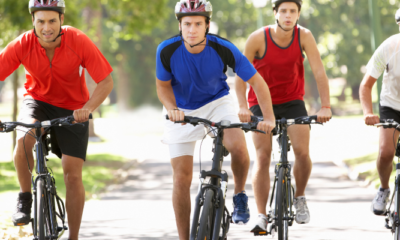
x: 60, y: 83
x: 282, y: 69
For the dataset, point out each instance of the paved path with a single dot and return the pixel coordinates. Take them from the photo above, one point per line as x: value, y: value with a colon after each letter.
x: 141, y: 208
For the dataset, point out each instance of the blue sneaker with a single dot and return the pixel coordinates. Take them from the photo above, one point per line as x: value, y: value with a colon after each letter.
x: 241, y: 212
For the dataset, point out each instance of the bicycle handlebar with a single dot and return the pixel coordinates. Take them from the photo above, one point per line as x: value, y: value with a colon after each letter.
x: 388, y: 123
x: 64, y: 121
x: 300, y: 120
x: 220, y: 125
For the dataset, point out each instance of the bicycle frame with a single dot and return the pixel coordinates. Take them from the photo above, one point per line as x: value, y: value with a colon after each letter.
x: 43, y: 173
x: 218, y: 183
x: 284, y: 163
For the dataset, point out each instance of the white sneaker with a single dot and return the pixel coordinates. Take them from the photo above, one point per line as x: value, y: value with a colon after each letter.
x: 378, y: 205
x: 261, y: 224
x: 302, y: 212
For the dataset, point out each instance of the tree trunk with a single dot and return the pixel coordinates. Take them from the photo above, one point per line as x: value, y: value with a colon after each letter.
x: 123, y: 88
x: 355, y: 92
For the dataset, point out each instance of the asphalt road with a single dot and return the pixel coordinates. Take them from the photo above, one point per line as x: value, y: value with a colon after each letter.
x: 141, y: 208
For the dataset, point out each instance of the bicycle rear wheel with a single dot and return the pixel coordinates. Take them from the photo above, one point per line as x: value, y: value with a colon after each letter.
x: 207, y: 217
x: 43, y: 221
x: 281, y: 203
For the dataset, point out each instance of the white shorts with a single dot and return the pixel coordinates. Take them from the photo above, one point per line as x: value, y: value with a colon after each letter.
x: 176, y: 135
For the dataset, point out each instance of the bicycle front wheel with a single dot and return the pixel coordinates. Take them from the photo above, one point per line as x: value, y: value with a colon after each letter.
x: 281, y: 204
x: 396, y: 211
x: 207, y: 217
x: 43, y: 224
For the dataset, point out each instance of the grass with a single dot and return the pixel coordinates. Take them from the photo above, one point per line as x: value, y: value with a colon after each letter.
x: 366, y: 168
x: 97, y: 173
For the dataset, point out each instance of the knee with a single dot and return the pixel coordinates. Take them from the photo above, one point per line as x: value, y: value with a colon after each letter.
x: 263, y: 160
x: 302, y: 156
x: 183, y: 180
x: 28, y: 142
x: 240, y: 153
x: 72, y: 179
x: 386, y: 156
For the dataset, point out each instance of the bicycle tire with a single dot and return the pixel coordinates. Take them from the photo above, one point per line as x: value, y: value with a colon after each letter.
x: 206, y: 219
x: 396, y: 210
x: 43, y: 222
x: 40, y: 200
x: 281, y: 203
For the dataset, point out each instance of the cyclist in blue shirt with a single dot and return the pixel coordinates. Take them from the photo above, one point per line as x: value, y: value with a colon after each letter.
x: 191, y: 80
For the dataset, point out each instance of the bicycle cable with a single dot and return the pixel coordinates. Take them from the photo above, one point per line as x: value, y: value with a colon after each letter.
x: 201, y: 143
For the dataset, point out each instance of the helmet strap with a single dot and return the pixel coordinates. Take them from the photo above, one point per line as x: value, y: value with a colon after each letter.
x: 192, y: 46
x: 277, y: 22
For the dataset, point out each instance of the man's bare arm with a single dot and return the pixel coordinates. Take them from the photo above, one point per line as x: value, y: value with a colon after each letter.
x: 102, y: 90
x: 366, y: 99
x: 166, y: 96
x: 310, y: 47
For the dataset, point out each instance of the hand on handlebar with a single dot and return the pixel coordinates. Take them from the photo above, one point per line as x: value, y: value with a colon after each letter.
x: 1, y: 126
x: 245, y: 115
x: 81, y: 115
x: 267, y: 125
x: 371, y: 119
x: 324, y: 115
x: 176, y: 115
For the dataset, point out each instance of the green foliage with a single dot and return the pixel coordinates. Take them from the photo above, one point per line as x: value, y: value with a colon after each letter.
x: 343, y: 34
x: 98, y: 172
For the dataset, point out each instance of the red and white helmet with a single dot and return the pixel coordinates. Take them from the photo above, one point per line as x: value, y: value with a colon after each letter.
x: 185, y: 8
x: 47, y: 5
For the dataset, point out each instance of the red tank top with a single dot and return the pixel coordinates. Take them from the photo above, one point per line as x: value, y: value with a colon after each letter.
x: 282, y: 69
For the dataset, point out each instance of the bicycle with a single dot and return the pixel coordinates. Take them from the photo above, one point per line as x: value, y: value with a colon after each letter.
x: 392, y: 217
x: 281, y: 215
x: 48, y: 223
x: 210, y: 215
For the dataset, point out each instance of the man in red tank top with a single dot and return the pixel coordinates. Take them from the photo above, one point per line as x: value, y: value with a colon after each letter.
x: 276, y: 52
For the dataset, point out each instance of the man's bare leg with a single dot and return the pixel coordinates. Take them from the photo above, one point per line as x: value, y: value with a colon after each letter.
x: 300, y: 139
x: 260, y: 177
x: 384, y: 164
x: 235, y: 143
x: 182, y: 177
x: 75, y: 195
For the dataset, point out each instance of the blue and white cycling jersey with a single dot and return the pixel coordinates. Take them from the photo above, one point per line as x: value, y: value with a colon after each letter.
x: 198, y: 79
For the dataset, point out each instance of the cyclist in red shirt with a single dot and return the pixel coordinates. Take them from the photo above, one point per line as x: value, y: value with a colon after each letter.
x: 54, y: 58
x: 276, y: 51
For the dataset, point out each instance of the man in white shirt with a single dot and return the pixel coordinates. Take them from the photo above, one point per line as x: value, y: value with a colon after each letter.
x: 386, y: 60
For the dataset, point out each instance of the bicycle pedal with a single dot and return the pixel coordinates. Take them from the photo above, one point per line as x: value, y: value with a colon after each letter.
x: 259, y: 231
x: 265, y: 233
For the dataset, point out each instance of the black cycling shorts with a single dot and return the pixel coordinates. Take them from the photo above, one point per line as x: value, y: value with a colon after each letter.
x: 389, y: 113
x: 71, y: 141
x: 288, y: 110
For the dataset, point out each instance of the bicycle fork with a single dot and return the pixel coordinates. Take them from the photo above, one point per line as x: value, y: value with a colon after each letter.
x: 221, y: 213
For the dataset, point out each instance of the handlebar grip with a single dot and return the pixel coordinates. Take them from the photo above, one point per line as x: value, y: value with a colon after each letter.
x: 313, y: 117
x: 73, y: 119
x: 186, y: 119
x: 256, y: 118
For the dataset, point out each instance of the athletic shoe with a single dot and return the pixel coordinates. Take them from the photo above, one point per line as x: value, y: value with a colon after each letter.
x: 261, y: 224
x: 302, y: 212
x: 22, y: 215
x: 378, y: 205
x: 241, y: 212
